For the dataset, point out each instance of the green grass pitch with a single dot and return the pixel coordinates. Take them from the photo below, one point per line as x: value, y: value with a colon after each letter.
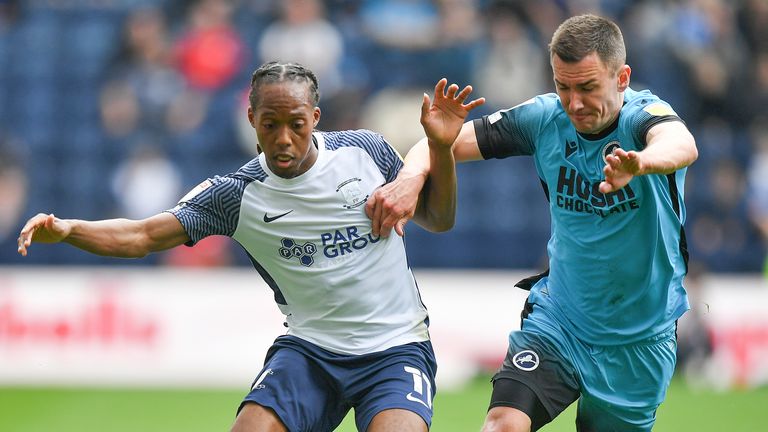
x: 111, y: 410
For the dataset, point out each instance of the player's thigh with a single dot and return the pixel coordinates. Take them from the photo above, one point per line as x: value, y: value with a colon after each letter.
x: 298, y: 392
x: 595, y: 416
x: 397, y: 420
x: 535, y: 380
x: 398, y: 379
x: 256, y: 418
x: 630, y: 383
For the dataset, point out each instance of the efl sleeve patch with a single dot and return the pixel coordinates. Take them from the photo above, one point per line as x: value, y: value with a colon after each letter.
x: 493, y: 118
x: 659, y: 109
x: 196, y: 190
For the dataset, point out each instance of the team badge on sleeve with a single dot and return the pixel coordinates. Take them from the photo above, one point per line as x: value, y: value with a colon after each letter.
x: 659, y: 109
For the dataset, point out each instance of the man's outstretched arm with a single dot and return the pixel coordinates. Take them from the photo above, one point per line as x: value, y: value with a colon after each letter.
x: 123, y: 238
x: 670, y: 146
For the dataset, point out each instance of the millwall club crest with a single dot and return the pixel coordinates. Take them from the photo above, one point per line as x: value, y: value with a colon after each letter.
x: 353, y: 195
x: 526, y: 360
x: 609, y: 148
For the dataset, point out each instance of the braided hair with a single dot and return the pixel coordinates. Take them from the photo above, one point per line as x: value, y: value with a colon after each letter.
x: 276, y: 72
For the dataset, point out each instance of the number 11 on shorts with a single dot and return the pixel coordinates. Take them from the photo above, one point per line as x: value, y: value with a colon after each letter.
x: 422, y: 388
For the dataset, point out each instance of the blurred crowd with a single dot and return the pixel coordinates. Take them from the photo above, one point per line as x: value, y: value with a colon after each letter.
x: 116, y: 108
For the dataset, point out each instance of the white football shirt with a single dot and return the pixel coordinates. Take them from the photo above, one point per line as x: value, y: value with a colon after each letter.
x: 339, y: 287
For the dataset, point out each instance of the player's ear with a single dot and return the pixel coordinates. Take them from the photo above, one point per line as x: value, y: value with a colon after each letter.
x: 623, y: 79
x: 250, y: 117
x: 315, y: 116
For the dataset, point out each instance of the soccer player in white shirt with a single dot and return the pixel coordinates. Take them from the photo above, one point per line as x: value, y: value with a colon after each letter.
x: 357, y: 329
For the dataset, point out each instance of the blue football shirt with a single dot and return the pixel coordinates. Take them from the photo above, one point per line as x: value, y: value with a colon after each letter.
x: 617, y: 260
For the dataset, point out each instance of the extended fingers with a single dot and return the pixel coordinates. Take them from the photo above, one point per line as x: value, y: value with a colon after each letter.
x: 464, y: 93
x: 613, y: 161
x: 623, y: 161
x: 25, y: 236
x: 445, y: 91
x: 461, y: 96
x: 452, y: 91
x: 22, y: 245
x: 440, y: 88
x: 425, y: 104
x: 474, y: 104
x: 33, y: 223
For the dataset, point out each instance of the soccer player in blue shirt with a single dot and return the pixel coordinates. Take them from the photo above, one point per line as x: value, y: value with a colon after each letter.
x: 357, y: 330
x: 599, y: 325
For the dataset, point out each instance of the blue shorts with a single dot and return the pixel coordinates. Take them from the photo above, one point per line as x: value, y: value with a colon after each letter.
x: 312, y: 389
x: 618, y: 387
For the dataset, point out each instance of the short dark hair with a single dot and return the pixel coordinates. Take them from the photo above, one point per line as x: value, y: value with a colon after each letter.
x: 581, y: 35
x: 275, y: 72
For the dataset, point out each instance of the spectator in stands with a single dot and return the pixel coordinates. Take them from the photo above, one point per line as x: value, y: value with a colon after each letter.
x: 9, y: 11
x: 146, y: 181
x: 210, y: 52
x: 498, y: 70
x: 142, y: 83
x: 303, y: 34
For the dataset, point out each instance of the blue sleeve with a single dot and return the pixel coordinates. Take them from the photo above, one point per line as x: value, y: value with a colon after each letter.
x: 211, y: 208
x: 388, y: 160
x: 513, y: 132
x: 646, y: 113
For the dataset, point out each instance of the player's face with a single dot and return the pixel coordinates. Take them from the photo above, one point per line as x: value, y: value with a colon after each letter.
x: 591, y: 92
x: 284, y: 120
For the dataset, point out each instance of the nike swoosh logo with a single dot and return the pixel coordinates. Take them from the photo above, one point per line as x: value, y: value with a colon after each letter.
x: 269, y: 219
x: 411, y: 398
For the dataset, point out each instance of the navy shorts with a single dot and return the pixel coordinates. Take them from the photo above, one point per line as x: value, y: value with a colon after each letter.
x: 312, y: 389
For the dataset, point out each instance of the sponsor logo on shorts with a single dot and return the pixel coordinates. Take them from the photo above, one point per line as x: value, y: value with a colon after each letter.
x: 526, y: 360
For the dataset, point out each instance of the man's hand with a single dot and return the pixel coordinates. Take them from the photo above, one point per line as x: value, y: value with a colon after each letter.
x: 394, y: 204
x: 620, y: 168
x: 42, y: 228
x: 443, y: 117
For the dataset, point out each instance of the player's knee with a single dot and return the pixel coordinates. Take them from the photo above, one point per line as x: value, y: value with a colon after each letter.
x: 505, y: 419
x: 254, y: 417
x: 397, y: 420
